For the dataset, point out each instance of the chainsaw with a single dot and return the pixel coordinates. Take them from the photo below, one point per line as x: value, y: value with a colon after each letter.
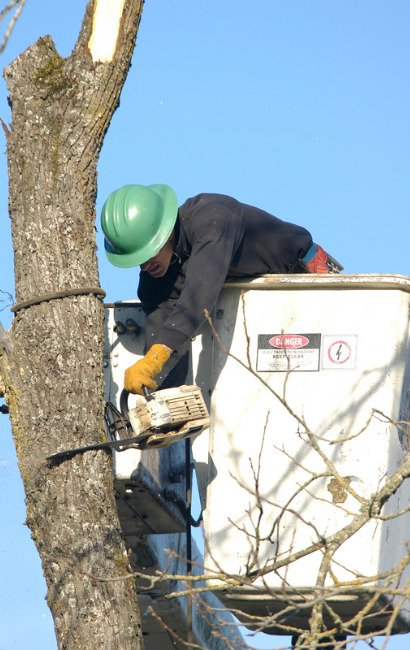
x: 157, y: 419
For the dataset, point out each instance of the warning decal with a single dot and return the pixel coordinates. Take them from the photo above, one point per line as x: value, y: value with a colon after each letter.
x: 288, y: 352
x: 339, y: 351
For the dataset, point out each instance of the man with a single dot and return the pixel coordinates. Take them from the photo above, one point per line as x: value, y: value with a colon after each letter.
x: 187, y: 253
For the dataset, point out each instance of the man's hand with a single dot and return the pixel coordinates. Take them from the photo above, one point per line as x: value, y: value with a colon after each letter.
x: 143, y: 371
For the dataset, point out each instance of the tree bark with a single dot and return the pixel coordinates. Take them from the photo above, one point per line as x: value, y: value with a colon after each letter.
x: 61, y: 109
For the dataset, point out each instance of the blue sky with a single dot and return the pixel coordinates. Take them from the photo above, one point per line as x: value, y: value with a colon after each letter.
x: 298, y: 106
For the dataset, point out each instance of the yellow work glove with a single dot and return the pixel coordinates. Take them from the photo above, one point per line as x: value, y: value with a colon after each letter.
x: 143, y: 371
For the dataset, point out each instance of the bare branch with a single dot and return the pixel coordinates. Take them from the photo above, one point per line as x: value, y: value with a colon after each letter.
x: 20, y: 4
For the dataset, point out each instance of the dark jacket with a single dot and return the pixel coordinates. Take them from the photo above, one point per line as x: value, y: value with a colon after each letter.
x: 216, y: 238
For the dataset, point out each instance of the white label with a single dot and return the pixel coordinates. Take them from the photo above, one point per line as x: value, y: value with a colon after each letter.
x: 288, y: 352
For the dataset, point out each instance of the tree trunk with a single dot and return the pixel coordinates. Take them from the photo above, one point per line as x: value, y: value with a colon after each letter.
x: 61, y: 109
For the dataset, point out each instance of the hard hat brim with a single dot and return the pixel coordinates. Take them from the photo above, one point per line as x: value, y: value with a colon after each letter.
x: 142, y: 255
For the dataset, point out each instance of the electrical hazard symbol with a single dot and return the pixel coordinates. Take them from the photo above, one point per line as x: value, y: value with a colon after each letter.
x: 339, y: 351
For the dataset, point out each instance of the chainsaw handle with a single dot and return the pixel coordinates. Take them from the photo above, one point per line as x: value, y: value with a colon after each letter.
x: 124, y: 404
x: 124, y: 401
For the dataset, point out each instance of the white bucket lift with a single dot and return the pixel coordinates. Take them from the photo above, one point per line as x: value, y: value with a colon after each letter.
x: 335, y: 350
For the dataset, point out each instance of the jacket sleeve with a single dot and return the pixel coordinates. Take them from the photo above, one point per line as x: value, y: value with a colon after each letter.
x: 216, y: 235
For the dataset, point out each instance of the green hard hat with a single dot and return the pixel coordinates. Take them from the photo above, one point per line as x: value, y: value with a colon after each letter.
x: 137, y: 221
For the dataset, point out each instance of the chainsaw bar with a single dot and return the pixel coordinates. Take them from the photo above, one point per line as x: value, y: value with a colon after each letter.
x: 117, y: 425
x: 135, y: 442
x: 148, y: 440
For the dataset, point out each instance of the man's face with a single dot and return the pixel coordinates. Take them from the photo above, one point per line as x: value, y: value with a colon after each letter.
x: 158, y: 265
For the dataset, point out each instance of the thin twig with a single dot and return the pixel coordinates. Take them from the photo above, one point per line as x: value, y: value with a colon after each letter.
x: 20, y: 4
